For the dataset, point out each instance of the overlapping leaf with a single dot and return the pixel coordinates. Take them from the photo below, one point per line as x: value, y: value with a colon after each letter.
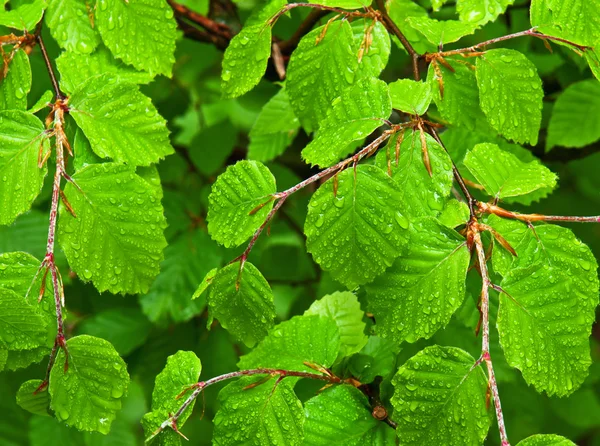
x: 24, y: 16
x: 141, y: 33
x: 440, y: 398
x: 575, y: 120
x: 423, y: 195
x: 440, y: 32
x: 377, y: 358
x: 242, y: 302
x: 410, y: 96
x: 574, y: 20
x: 116, y: 240
x: 510, y: 94
x: 70, y: 22
x: 21, y: 142
x: 119, y: 121
x: 22, y: 326
x: 87, y: 394
x: 267, y: 414
x: 503, y: 175
x: 424, y: 287
x: 312, y: 338
x: 481, y: 12
x: 15, y: 86
x: 373, y: 45
x: 32, y: 401
x: 546, y: 440
x: 356, y: 231
x: 239, y: 202
x: 358, y: 112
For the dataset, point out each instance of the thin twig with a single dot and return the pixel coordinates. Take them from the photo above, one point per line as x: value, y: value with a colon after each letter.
x: 287, y: 46
x: 59, y: 94
x: 217, y: 28
x: 487, y: 208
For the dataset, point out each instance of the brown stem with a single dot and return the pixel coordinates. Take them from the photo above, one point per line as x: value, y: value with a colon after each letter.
x: 287, y: 46
x: 219, y: 29
x: 59, y: 94
x: 393, y: 28
x: 487, y: 208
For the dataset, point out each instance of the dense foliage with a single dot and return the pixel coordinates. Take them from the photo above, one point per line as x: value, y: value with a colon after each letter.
x: 247, y: 222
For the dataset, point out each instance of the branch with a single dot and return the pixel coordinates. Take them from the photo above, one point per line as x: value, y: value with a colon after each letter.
x: 287, y: 46
x: 393, y: 28
x: 213, y: 27
x: 200, y: 386
x: 59, y: 94
x: 487, y: 208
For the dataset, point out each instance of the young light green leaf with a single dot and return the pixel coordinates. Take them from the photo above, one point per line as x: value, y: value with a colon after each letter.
x: 343, y: 307
x: 186, y: 260
x: 19, y: 359
x: 373, y: 45
x: 455, y: 213
x: 245, y: 60
x: 440, y: 32
x: 70, y: 23
x: 410, y: 96
x: 320, y: 69
x: 239, y: 202
x: 118, y: 218
x: 119, y: 121
x: 124, y: 328
x: 440, y: 398
x: 400, y: 11
x: 423, y: 195
x: 510, y: 94
x: 75, y: 69
x: 22, y: 326
x: 206, y: 282
x: 268, y: 414
x: 24, y: 16
x: 86, y: 389
x: 37, y: 403
x: 575, y: 120
x: 592, y: 56
x: 356, y: 231
x: 314, y: 339
x: 356, y: 114
x: 546, y: 440
x: 15, y: 86
x: 21, y: 141
x: 242, y: 302
x: 574, y: 20
x: 548, y: 309
x: 344, y: 4
x: 274, y: 129
x: 377, y: 358
x: 141, y: 33
x: 507, y: 176
x: 42, y: 102
x: 181, y: 371
x: 340, y: 415
x: 481, y: 12
x: 424, y: 287
x: 459, y: 103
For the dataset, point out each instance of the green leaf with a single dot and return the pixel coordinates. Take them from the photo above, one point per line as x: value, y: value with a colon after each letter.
x: 245, y: 60
x: 356, y: 114
x: 119, y: 121
x: 575, y: 120
x: 455, y: 213
x: 340, y: 415
x: 186, y: 260
x: 441, y: 32
x: 459, y: 104
x: 21, y: 140
x: 19, y: 359
x: 88, y: 394
x: 124, y: 328
x: 24, y: 17
x: 422, y: 194
x: 274, y: 129
x: 15, y: 86
x: 410, y: 96
x: 440, y: 398
x: 242, y: 302
x: 267, y: 414
x: 343, y: 307
x: 420, y: 292
x: 400, y: 11
x: 22, y: 327
x: 70, y: 23
x: 142, y: 33
x: 546, y: 440
x: 344, y: 4
x: 182, y: 371
x: 377, y: 358
x: 314, y: 339
x: 42, y: 102
x: 239, y: 202
x: 372, y: 44
x: 320, y: 69
x: 574, y: 20
x: 37, y: 403
x: 75, y: 69
x: 356, y: 233
x: 548, y: 309
x: 592, y: 56
x: 510, y: 94
x: 119, y: 218
x: 480, y: 12
x: 206, y: 282
x: 503, y: 175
